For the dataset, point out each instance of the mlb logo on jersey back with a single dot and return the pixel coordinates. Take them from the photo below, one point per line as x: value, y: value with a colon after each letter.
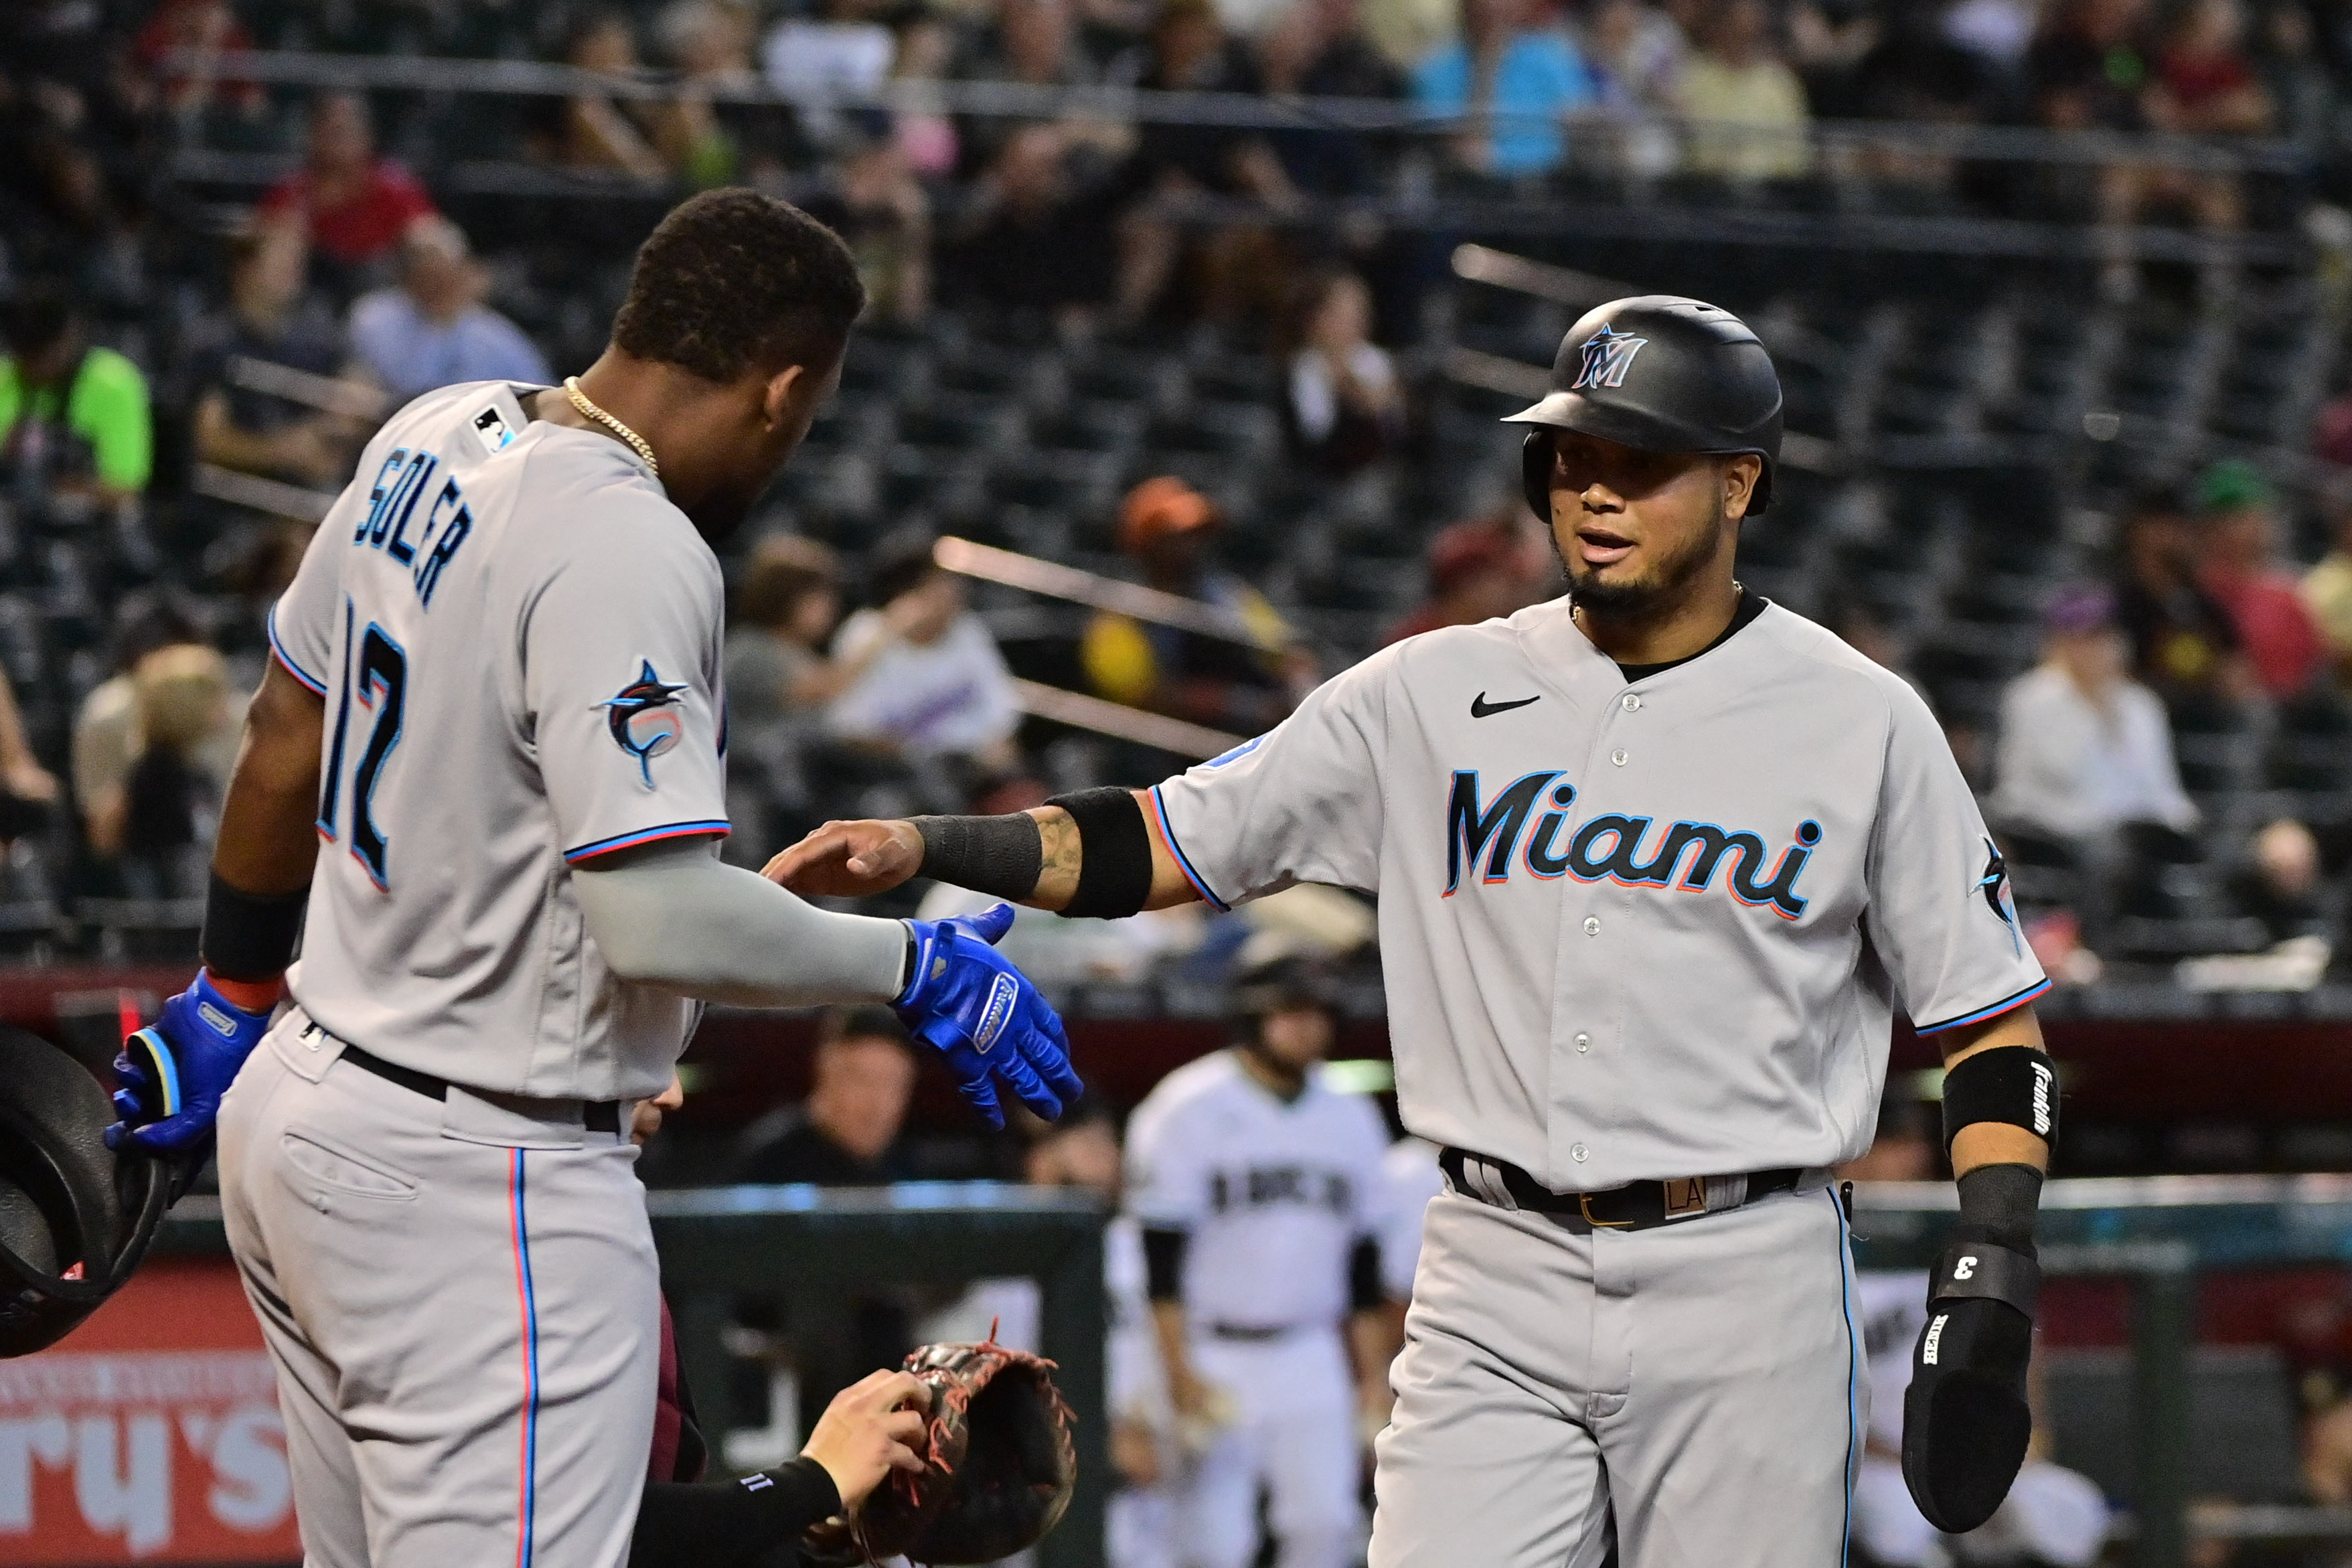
x: 490, y: 427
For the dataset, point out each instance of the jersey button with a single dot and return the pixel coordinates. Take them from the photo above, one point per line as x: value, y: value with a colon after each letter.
x: 1633, y: 704
x: 1618, y: 756
x: 1584, y: 1044
x: 1576, y: 1152
x: 1592, y: 925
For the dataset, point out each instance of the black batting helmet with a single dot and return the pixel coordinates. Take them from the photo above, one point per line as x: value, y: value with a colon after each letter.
x: 74, y: 1217
x: 1662, y: 374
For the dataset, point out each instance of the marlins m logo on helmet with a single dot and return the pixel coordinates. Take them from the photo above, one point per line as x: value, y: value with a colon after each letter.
x: 1608, y: 354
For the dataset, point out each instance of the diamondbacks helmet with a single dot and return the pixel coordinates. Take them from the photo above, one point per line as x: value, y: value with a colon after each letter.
x: 1661, y: 374
x: 74, y: 1217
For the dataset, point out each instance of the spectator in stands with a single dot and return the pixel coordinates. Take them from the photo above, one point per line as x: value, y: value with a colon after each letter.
x: 873, y: 200
x: 72, y: 417
x: 2089, y: 67
x: 1747, y: 108
x: 1512, y: 82
x: 355, y: 207
x: 594, y: 132
x: 1170, y: 528
x: 1317, y: 48
x: 2205, y: 81
x: 1037, y: 234
x: 919, y: 123
x: 160, y: 835
x: 1345, y: 407
x: 2327, y: 587
x: 432, y: 329
x: 937, y: 686
x: 1636, y: 55
x: 2302, y: 94
x: 28, y: 790
x: 1031, y: 41
x: 709, y: 42
x: 2281, y: 885
x: 839, y: 53
x: 845, y: 1134
x: 162, y: 693
x: 1479, y: 570
x: 272, y: 321
x: 2237, y: 518
x: 2083, y: 769
x: 211, y: 31
x: 2184, y: 645
x: 786, y: 612
x: 1242, y: 267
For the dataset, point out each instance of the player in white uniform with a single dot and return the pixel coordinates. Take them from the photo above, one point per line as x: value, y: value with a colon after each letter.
x: 1258, y: 1189
x: 1656, y: 864
x: 487, y: 759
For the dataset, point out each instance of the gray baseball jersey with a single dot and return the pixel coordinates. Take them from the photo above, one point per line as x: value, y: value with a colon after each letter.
x: 1630, y: 931
x: 517, y: 639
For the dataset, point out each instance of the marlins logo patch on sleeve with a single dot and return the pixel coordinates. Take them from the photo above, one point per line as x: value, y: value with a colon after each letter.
x: 642, y: 717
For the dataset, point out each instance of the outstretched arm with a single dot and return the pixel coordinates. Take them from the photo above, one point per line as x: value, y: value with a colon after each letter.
x: 1036, y: 857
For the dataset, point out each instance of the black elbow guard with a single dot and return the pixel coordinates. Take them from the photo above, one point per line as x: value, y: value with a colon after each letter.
x: 250, y: 936
x: 2015, y: 1084
x: 1114, y: 853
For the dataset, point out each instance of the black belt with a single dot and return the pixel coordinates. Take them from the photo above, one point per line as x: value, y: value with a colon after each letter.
x: 596, y: 1115
x: 1635, y: 1206
x: 1248, y: 1333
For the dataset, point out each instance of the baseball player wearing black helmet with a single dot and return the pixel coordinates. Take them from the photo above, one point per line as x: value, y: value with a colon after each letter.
x: 1656, y: 863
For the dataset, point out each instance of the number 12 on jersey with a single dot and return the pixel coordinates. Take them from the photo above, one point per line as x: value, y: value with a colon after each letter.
x: 376, y: 675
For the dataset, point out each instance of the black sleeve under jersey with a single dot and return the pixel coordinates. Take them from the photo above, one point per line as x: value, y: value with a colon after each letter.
x: 732, y: 1524
x: 1163, y: 1264
x: 1366, y: 1290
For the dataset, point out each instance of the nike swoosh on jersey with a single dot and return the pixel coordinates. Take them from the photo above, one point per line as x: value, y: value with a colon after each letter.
x: 1482, y: 709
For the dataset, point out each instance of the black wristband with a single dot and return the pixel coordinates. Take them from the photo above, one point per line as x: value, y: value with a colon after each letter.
x: 717, y: 1524
x: 1366, y: 1290
x: 1114, y: 854
x: 2012, y: 1084
x: 250, y: 936
x: 1163, y: 1264
x: 1999, y: 1203
x: 1001, y: 856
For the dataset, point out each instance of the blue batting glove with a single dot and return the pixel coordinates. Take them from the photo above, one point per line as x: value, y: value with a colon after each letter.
x: 174, y: 1072
x: 985, y: 1016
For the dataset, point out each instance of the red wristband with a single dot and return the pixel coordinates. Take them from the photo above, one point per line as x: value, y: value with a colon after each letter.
x: 253, y: 996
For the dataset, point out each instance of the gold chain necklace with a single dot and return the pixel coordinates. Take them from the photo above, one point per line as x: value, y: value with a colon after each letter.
x: 589, y: 410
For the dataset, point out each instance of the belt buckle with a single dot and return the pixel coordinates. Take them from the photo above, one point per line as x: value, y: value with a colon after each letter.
x: 1584, y: 1202
x: 1686, y: 1195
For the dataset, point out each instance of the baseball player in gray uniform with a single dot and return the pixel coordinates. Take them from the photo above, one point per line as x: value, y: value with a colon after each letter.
x: 487, y: 762
x: 1656, y: 862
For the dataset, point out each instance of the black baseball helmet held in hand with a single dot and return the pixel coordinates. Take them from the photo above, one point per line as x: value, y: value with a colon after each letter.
x: 75, y: 1217
x: 1661, y: 374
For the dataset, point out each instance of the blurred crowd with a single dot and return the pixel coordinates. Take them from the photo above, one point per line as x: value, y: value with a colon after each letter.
x: 175, y: 370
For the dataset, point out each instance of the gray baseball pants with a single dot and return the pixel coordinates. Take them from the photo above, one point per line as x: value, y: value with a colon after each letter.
x: 1694, y: 1393
x: 462, y: 1303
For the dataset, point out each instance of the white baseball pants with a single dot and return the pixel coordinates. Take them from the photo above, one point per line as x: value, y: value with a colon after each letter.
x: 1695, y: 1393
x: 462, y: 1303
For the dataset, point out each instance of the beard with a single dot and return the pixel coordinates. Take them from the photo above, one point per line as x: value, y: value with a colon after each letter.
x: 1669, y: 581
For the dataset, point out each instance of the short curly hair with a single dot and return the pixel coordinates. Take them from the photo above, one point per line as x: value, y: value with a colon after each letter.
x: 733, y: 281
